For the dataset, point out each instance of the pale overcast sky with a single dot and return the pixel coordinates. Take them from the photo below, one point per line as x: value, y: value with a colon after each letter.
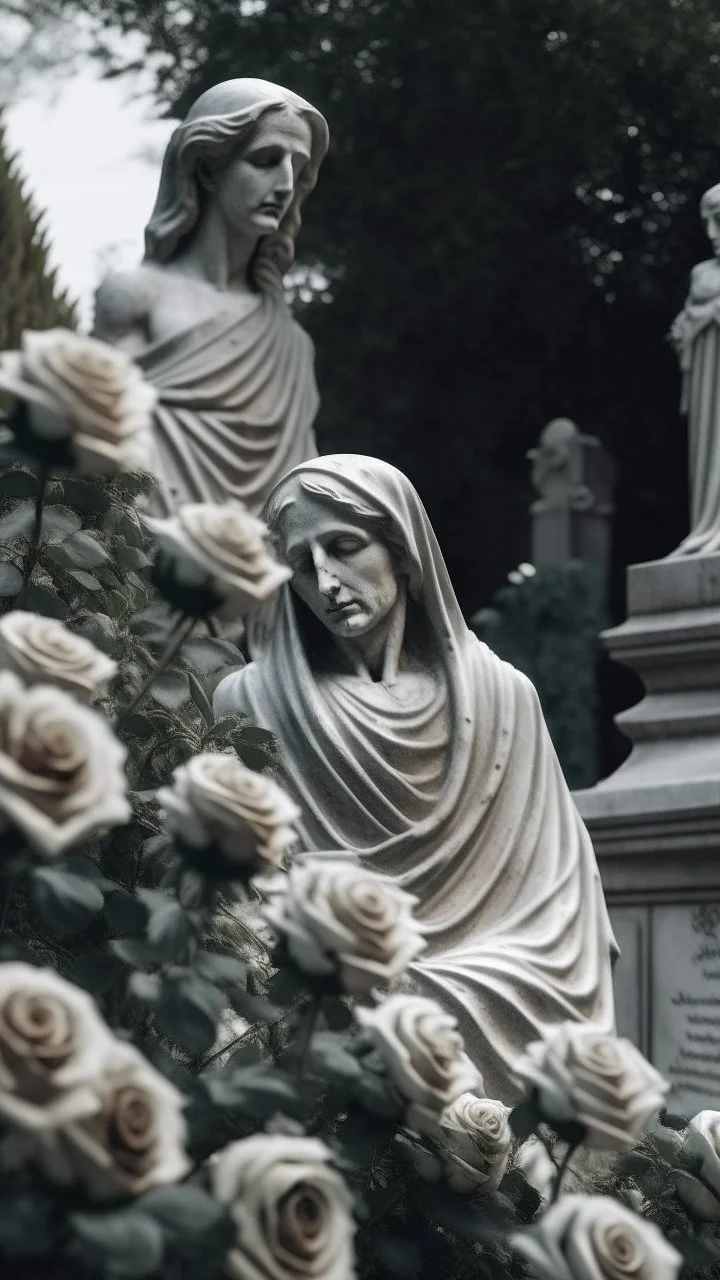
x: 81, y: 146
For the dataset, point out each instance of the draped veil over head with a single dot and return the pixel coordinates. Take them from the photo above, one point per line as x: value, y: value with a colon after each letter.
x: 458, y: 796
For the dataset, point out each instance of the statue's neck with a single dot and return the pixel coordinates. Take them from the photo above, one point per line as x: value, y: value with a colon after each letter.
x: 217, y: 257
x: 376, y: 656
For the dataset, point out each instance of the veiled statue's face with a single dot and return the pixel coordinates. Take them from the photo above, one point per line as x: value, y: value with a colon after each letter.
x: 255, y: 188
x: 344, y: 574
x: 711, y: 218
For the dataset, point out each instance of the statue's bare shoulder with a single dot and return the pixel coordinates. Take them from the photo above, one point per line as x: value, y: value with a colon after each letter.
x: 124, y: 303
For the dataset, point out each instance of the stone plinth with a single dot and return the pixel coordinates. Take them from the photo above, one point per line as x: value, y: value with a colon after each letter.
x: 655, y: 824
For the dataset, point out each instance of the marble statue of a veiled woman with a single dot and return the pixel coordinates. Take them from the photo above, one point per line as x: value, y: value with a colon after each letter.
x: 696, y: 335
x: 205, y: 316
x: 407, y: 741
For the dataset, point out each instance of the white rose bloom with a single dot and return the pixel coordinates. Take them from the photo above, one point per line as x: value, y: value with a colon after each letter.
x: 220, y: 547
x: 336, y: 917
x: 43, y: 650
x: 216, y: 800
x: 61, y: 767
x: 477, y: 1138
x: 292, y: 1209
x: 596, y: 1238
x: 601, y: 1081
x: 423, y: 1053
x: 85, y: 392
x: 53, y: 1043
x: 135, y: 1140
x: 702, y: 1140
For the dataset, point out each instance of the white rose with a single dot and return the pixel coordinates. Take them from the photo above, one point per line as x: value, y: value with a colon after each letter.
x: 600, y: 1081
x: 336, y: 917
x: 216, y: 801
x: 596, y: 1238
x: 292, y: 1209
x: 423, y: 1053
x: 135, y: 1140
x: 52, y: 1045
x: 701, y: 1194
x: 42, y: 649
x: 477, y: 1138
x: 85, y: 392
x: 61, y: 767
x: 220, y: 548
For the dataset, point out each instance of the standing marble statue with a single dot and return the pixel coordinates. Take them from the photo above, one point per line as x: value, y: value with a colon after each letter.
x: 205, y: 316
x: 696, y: 336
x: 407, y: 741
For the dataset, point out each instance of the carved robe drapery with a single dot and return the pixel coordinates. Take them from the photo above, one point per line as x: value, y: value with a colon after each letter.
x: 453, y: 789
x: 237, y: 402
x: 696, y: 333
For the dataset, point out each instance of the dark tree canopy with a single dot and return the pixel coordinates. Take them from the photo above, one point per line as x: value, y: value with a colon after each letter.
x: 507, y: 217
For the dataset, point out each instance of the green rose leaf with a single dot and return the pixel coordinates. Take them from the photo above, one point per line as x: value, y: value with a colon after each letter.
x: 83, y: 551
x: 330, y: 1057
x: 85, y: 496
x: 169, y: 927
x: 66, y: 902
x: 189, y: 1010
x: 258, y: 1091
x: 222, y: 969
x: 18, y: 484
x: 124, y: 1244
x: 11, y: 579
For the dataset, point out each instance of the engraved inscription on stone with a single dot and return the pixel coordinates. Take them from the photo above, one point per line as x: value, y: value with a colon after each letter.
x: 685, y: 1006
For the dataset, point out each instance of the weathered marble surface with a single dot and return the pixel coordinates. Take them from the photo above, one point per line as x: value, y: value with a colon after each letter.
x: 408, y: 742
x: 572, y: 515
x: 696, y: 335
x: 205, y: 315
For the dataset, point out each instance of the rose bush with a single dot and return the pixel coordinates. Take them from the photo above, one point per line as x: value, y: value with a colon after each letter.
x: 215, y: 802
x: 53, y: 1044
x: 85, y: 394
x: 135, y: 1138
x: 597, y: 1238
x: 424, y: 1054
x: 61, y: 767
x: 292, y: 1210
x: 701, y: 1194
x: 336, y: 917
x: 216, y: 553
x: 43, y: 650
x: 602, y: 1082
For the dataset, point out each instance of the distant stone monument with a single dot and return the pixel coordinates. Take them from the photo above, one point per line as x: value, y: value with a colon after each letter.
x: 655, y: 822
x: 205, y: 314
x: 572, y: 516
x: 407, y: 742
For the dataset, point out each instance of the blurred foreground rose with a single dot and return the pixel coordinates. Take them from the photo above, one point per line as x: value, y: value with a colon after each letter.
x: 215, y: 802
x: 598, y: 1080
x: 83, y: 402
x: 135, y: 1140
x: 61, y: 768
x: 424, y: 1054
x: 596, y: 1238
x: 43, y: 650
x: 211, y: 554
x: 292, y: 1209
x: 53, y: 1043
x: 702, y: 1141
x: 336, y: 917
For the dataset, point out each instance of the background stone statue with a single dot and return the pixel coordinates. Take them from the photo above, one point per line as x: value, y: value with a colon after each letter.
x: 696, y: 336
x: 407, y: 741
x: 205, y: 315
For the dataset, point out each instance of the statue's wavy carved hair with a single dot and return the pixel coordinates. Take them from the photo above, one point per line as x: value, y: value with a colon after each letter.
x: 214, y: 138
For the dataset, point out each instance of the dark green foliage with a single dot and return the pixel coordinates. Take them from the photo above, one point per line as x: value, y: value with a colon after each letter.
x: 29, y: 296
x: 548, y: 626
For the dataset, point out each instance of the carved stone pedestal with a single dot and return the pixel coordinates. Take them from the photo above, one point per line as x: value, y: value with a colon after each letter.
x: 655, y: 824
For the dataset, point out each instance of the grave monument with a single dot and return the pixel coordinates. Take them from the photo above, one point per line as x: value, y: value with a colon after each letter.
x: 655, y: 822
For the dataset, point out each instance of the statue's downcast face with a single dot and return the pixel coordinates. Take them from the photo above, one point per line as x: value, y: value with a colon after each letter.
x: 254, y: 189
x: 341, y: 570
x: 710, y: 214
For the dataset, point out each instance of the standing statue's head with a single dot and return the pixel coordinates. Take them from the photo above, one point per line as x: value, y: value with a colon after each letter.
x: 710, y: 214
x: 254, y: 149
x: 347, y: 561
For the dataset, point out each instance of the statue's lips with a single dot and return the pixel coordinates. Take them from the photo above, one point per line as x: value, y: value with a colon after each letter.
x: 339, y: 610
